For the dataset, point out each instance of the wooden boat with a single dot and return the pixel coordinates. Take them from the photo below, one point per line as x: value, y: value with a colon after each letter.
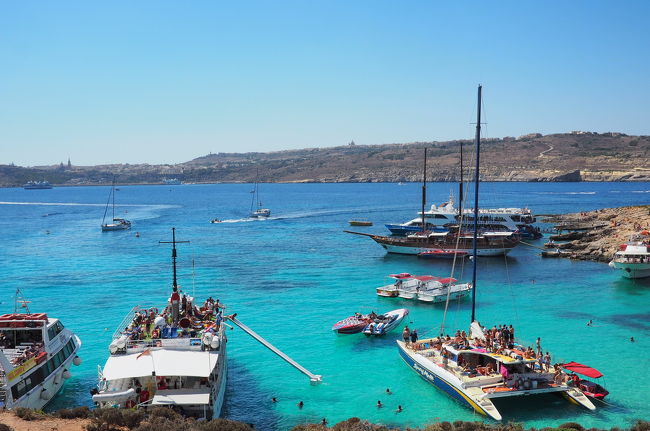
x: 360, y: 223
x: 443, y: 254
x: 386, y: 322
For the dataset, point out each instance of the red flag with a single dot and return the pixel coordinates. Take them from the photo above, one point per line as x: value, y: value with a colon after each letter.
x: 146, y: 352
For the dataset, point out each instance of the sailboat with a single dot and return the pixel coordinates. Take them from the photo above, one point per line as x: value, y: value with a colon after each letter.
x: 116, y: 223
x: 257, y: 210
x: 479, y: 367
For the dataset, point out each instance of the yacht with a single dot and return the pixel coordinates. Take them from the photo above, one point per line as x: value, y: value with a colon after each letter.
x: 36, y: 355
x: 174, y: 356
x: 633, y: 258
x: 116, y: 223
x: 37, y: 185
x: 440, y: 217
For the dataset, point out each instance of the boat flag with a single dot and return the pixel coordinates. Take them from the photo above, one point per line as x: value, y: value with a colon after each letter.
x: 146, y: 352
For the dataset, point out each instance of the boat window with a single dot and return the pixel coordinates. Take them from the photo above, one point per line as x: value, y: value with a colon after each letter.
x: 54, y: 330
x: 10, y: 339
x: 515, y: 217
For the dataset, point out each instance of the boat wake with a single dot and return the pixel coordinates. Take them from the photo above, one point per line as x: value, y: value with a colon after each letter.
x: 566, y: 193
x: 323, y: 213
x: 77, y: 204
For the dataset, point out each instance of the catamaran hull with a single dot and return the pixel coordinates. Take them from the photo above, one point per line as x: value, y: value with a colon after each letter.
x: 400, y: 249
x: 482, y: 404
x: 446, y: 382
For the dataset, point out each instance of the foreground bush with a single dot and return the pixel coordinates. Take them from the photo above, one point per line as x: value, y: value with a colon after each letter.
x: 29, y: 414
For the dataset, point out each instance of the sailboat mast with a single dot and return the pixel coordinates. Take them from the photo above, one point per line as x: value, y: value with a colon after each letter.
x: 460, y: 186
x: 476, y: 180
x: 424, y: 190
x: 113, y: 191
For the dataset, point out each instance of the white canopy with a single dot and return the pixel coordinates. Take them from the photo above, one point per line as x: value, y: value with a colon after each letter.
x: 182, y: 397
x: 163, y: 362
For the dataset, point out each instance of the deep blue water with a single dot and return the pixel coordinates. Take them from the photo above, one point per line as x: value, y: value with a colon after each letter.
x: 292, y: 276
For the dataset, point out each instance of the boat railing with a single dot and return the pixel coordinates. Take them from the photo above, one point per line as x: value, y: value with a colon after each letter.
x: 133, y: 346
x: 126, y: 321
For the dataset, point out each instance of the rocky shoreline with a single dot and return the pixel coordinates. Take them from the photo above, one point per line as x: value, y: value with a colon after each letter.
x: 596, y: 235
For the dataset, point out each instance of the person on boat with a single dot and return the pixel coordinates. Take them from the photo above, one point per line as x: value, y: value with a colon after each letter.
x: 175, y: 300
x: 414, y: 336
x: 144, y: 395
x: 406, y: 335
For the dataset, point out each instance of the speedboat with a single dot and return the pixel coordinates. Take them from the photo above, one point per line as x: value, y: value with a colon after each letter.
x: 390, y: 290
x: 216, y: 220
x: 439, y: 289
x: 386, y: 322
x: 351, y: 325
x: 591, y: 389
x: 633, y: 258
x: 36, y: 355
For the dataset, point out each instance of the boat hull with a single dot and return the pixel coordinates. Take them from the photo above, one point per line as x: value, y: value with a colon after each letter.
x: 401, y: 249
x: 633, y: 270
x: 398, y: 316
x: 438, y: 298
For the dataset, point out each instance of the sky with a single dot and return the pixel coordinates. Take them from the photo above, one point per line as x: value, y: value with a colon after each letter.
x: 168, y: 81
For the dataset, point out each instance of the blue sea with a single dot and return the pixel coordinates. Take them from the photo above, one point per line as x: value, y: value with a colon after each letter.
x: 291, y: 277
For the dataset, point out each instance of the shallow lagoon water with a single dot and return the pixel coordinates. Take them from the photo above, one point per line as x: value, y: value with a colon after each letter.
x: 292, y: 276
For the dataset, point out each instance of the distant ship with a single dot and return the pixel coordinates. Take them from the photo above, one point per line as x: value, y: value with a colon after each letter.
x: 172, y: 181
x: 36, y: 185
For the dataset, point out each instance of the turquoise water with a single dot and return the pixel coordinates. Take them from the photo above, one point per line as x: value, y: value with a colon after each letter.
x: 292, y: 276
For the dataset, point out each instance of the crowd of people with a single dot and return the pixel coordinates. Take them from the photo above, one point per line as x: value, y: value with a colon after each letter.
x: 180, y: 319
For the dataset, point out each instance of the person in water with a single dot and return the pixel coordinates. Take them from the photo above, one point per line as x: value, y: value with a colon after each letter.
x: 301, y: 405
x: 379, y: 404
x: 275, y: 400
x: 388, y: 392
x: 399, y: 409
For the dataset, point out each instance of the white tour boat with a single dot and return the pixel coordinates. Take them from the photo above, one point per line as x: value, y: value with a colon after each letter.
x: 36, y: 355
x: 485, y: 365
x: 633, y: 259
x: 170, y: 357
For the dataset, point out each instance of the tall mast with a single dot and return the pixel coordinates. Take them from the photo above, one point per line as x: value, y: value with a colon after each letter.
x: 476, y: 179
x: 173, y: 243
x: 113, y: 191
x: 460, y: 186
x: 424, y: 190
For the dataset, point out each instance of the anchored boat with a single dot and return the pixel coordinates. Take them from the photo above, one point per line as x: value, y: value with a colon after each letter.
x: 36, y: 355
x: 116, y: 222
x: 173, y: 356
x: 485, y: 365
x: 386, y: 322
x: 633, y: 258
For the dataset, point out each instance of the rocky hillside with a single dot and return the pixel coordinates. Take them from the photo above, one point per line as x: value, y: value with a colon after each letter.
x: 576, y: 156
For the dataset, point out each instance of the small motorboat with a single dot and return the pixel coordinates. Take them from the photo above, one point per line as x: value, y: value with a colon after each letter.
x: 216, y: 220
x: 351, y: 325
x: 438, y: 289
x: 386, y: 322
x: 390, y: 290
x: 589, y: 388
x: 360, y: 223
x: 442, y: 254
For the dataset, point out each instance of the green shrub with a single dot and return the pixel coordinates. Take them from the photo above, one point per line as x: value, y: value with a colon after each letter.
x: 4, y: 427
x: 75, y: 413
x: 227, y: 425
x: 29, y: 414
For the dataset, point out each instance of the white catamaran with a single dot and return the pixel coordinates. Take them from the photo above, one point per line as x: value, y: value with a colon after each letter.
x: 484, y: 365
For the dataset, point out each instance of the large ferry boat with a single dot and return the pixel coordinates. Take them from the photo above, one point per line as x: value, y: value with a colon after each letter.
x: 37, y: 185
x: 633, y: 259
x: 36, y: 355
x: 172, y: 356
x: 441, y: 217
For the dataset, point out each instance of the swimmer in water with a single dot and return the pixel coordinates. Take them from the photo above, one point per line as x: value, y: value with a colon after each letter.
x: 388, y: 392
x: 399, y: 409
x: 379, y: 404
x: 300, y: 404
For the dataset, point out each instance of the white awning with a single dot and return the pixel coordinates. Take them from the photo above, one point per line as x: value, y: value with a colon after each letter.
x: 163, y: 362
x: 182, y: 397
